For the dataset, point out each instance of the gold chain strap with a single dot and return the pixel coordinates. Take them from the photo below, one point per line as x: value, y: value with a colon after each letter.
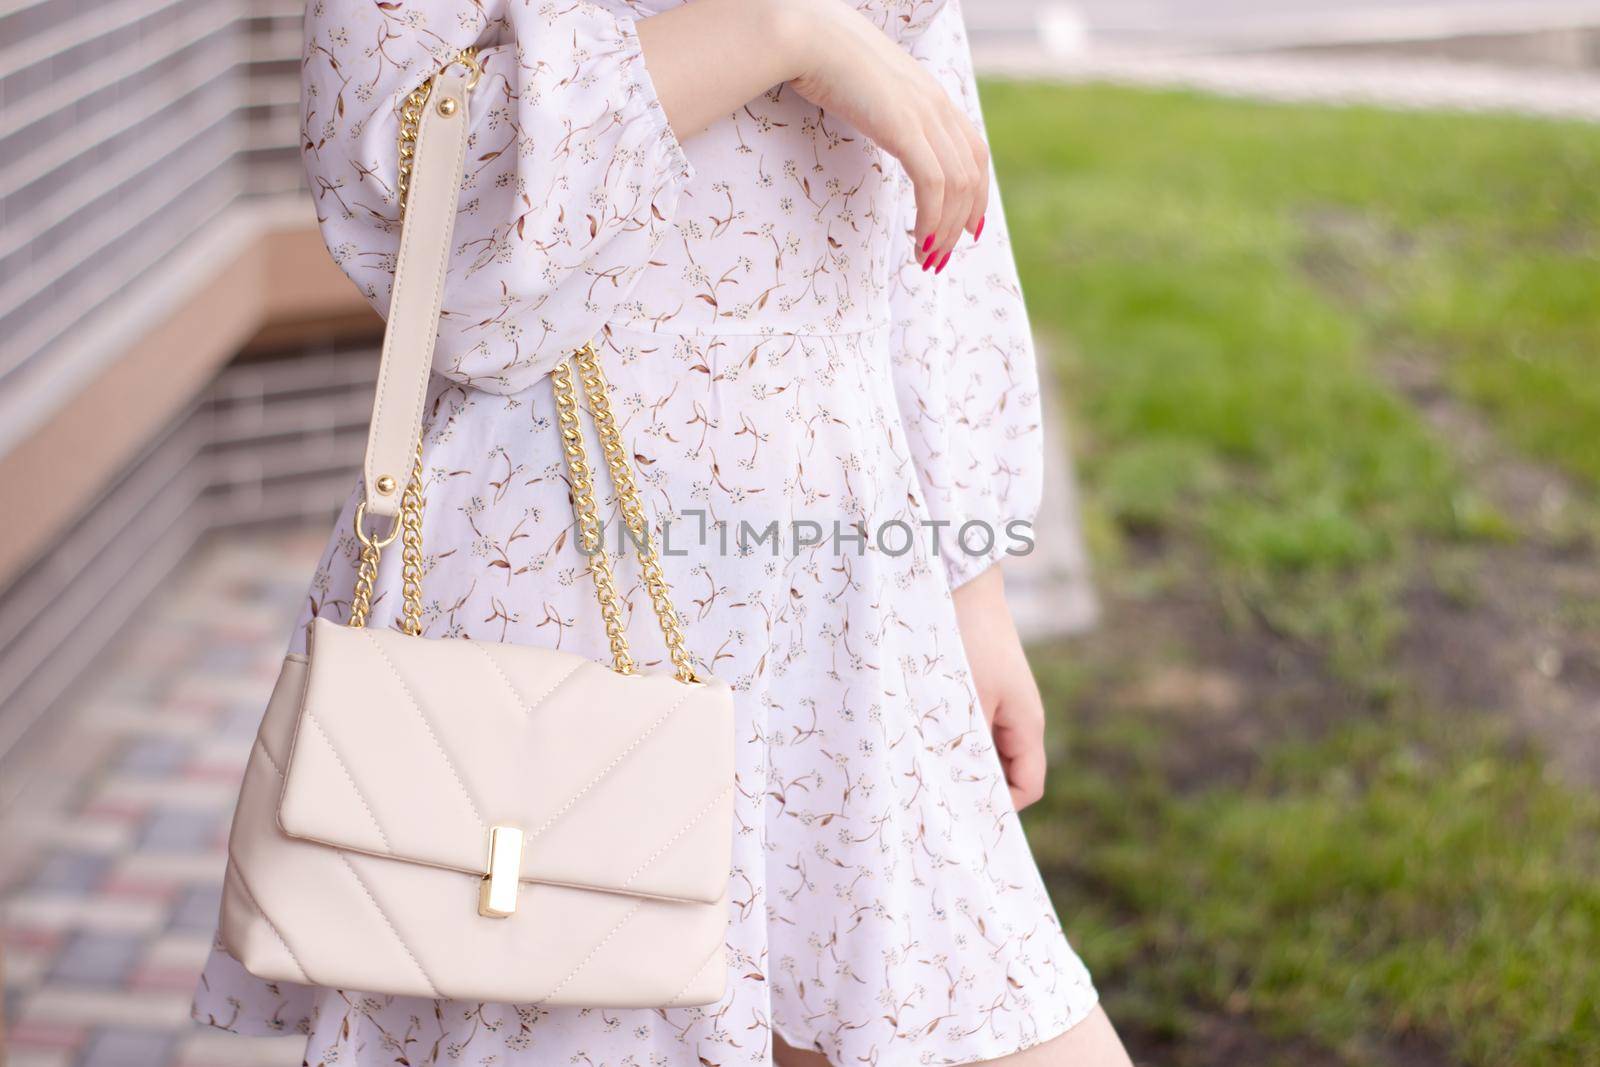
x: 411, y: 549
x: 366, y: 573
x: 590, y: 531
x: 599, y: 393
x: 409, y: 530
x: 590, y: 534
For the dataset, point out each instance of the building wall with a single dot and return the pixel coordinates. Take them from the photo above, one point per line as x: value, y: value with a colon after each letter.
x: 128, y: 126
x: 153, y: 223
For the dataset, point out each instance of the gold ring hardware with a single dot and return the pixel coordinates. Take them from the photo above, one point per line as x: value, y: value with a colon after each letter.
x: 468, y: 57
x: 367, y: 539
x: 408, y: 527
x: 367, y: 568
x: 497, y: 894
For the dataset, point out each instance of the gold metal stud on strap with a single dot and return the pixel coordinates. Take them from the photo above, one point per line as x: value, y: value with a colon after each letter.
x: 411, y: 117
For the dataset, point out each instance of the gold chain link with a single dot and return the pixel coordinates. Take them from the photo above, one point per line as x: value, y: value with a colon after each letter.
x: 590, y: 531
x: 411, y: 550
x: 366, y: 572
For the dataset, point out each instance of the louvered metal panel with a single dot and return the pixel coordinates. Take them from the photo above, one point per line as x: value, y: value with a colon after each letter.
x: 126, y: 127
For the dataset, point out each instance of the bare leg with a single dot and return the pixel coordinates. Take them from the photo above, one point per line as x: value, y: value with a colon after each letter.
x: 1092, y: 1043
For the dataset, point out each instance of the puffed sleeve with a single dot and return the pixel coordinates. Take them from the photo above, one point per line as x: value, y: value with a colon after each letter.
x: 572, y: 170
x: 963, y: 363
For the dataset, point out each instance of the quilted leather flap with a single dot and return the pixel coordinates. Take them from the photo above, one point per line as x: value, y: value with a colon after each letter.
x: 413, y: 748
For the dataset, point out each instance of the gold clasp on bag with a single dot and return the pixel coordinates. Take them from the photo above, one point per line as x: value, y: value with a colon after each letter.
x: 497, y: 896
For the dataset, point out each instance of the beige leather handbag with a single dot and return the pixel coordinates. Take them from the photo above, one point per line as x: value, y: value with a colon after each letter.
x: 465, y: 819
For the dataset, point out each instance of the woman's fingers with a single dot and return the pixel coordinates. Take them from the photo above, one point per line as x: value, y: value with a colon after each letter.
x: 1019, y: 724
x: 949, y: 170
x: 948, y: 163
x: 927, y: 184
x: 956, y: 187
x: 867, y: 79
x: 1022, y: 755
x: 980, y: 159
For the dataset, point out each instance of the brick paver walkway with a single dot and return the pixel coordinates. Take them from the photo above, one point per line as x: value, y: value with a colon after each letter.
x: 114, y: 852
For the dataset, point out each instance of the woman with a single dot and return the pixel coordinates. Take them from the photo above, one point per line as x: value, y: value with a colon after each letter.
x: 798, y: 333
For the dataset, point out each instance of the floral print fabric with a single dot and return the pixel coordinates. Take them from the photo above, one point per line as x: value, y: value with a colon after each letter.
x: 798, y: 398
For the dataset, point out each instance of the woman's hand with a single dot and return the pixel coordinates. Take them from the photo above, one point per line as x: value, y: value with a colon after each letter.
x: 1006, y: 689
x: 709, y: 57
x: 850, y: 69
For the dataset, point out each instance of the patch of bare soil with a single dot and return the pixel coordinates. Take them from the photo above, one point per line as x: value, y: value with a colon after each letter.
x: 1226, y: 692
x: 1511, y: 628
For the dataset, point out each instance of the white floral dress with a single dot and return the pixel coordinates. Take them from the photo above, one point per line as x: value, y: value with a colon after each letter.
x: 777, y: 356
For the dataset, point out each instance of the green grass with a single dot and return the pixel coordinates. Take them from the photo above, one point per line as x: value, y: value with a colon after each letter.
x: 1231, y: 279
x: 1392, y: 878
x: 1229, y: 288
x: 1475, y: 236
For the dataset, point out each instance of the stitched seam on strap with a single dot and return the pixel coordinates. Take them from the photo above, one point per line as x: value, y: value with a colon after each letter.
x: 593, y: 952
x: 244, y: 887
x: 597, y: 779
x: 441, y: 267
x: 675, y: 838
x: 385, y: 917
x: 402, y: 261
x: 262, y: 745
x: 527, y: 708
x: 693, y: 978
x: 426, y: 725
x: 372, y: 815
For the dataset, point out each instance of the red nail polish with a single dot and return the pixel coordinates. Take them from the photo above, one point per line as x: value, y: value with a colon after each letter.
x: 928, y: 264
x: 942, y: 262
x: 928, y: 243
x: 979, y: 231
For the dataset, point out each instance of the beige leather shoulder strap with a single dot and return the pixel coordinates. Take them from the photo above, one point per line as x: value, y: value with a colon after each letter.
x: 419, y: 273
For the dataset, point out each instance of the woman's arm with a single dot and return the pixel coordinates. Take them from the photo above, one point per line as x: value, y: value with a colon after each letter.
x: 708, y: 57
x: 572, y: 176
x: 964, y: 367
x: 1006, y: 688
x: 968, y: 388
x: 575, y: 170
